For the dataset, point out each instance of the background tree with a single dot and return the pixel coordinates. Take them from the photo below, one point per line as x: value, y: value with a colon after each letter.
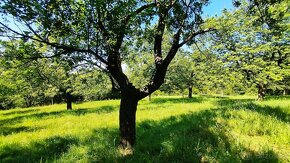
x: 29, y: 82
x: 21, y: 76
x: 251, y: 48
x: 7, y: 89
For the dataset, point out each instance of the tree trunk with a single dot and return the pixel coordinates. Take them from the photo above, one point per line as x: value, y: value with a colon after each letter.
x: 149, y: 97
x: 189, y: 91
x: 127, y: 120
x: 261, y: 92
x: 68, y: 101
x: 284, y: 92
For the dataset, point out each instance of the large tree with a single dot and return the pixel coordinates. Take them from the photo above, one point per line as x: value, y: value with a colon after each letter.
x: 101, y: 31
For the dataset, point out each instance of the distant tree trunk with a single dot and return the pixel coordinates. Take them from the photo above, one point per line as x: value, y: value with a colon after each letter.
x: 149, y: 97
x: 127, y: 120
x: 52, y: 100
x: 284, y: 92
x: 261, y: 91
x: 189, y: 91
x: 68, y: 101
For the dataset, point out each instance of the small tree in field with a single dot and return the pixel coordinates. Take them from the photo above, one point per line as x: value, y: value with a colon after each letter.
x: 101, y: 31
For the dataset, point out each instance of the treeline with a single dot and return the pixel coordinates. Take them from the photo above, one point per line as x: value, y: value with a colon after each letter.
x: 30, y: 81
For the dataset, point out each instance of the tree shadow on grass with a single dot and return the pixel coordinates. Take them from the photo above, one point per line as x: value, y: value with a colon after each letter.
x: 102, y: 145
x: 267, y: 110
x: 46, y: 150
x: 13, y: 130
x: 75, y: 112
x: 195, y: 137
x: 249, y: 104
x: 24, y: 111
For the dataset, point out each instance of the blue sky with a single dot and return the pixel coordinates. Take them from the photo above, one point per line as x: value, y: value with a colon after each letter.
x: 216, y: 7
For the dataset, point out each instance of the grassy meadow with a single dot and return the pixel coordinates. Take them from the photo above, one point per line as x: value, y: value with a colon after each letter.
x: 169, y: 129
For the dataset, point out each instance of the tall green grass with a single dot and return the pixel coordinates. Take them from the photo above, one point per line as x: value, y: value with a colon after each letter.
x: 169, y: 129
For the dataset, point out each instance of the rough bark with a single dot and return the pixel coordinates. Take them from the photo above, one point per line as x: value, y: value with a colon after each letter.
x: 129, y: 100
x: 127, y: 120
x: 68, y: 101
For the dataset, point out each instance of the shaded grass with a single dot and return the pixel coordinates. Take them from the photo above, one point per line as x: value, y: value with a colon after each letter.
x: 48, y: 149
x: 279, y: 112
x: 193, y: 137
x: 41, y: 115
x: 20, y: 112
x: 13, y: 130
x: 169, y: 129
